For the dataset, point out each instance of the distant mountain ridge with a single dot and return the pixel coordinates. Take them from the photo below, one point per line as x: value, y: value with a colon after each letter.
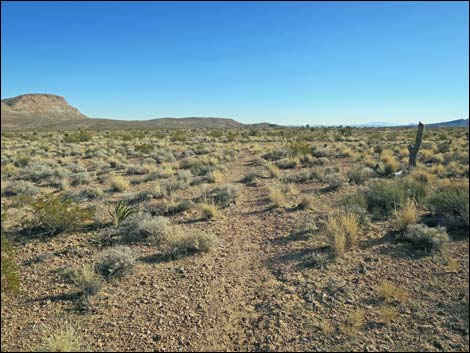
x: 52, y: 112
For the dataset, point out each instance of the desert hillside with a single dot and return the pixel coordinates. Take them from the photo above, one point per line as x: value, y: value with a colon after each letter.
x: 31, y: 111
x: 52, y: 112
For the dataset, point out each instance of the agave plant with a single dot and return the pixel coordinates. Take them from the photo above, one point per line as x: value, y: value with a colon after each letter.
x: 122, y: 210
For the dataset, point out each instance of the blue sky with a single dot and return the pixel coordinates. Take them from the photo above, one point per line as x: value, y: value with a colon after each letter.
x: 282, y: 62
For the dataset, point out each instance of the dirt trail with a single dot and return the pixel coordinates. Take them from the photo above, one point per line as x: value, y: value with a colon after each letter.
x: 245, y: 298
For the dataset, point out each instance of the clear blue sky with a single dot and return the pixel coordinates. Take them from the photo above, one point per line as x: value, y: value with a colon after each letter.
x: 282, y: 62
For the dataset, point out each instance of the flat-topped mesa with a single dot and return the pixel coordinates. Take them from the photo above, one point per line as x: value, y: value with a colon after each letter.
x: 39, y: 103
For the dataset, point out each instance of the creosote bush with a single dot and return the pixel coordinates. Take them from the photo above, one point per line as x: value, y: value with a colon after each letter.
x: 9, y: 269
x: 450, y: 204
x: 55, y: 215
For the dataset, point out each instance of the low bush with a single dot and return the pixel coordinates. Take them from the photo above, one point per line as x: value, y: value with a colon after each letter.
x: 87, y: 280
x: 55, y: 215
x: 450, y: 204
x: 222, y: 196
x: 181, y: 243
x: 334, y: 180
x: 115, y: 262
x: 276, y: 196
x: 424, y: 237
x: 143, y: 227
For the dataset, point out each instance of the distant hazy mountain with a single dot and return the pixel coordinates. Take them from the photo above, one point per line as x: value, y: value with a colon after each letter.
x: 375, y: 124
x: 51, y: 112
x: 452, y: 123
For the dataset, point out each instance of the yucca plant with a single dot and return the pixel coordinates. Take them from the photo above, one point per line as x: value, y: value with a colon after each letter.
x: 122, y: 210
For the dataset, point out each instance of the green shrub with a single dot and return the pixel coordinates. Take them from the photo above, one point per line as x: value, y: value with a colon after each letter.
x: 385, y: 197
x: 81, y: 136
x: 450, y: 204
x: 55, y: 215
x: 9, y: 269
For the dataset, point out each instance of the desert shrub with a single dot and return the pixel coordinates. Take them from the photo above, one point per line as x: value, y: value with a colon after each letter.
x: 181, y: 243
x: 9, y: 269
x: 138, y: 169
x: 119, y: 183
x: 423, y: 237
x: 450, y: 204
x: 414, y: 189
x: 87, y: 280
x: 405, y: 216
x: 276, y: 154
x: 276, y: 196
x: 356, y: 203
x: 174, y: 207
x: 384, y: 197
x: 81, y: 136
x: 250, y: 179
x: 22, y: 161
x: 209, y: 211
x: 90, y: 193
x: 55, y: 215
x: 215, y: 176
x: 321, y: 161
x: 288, y: 163
x: 343, y: 232
x: 301, y: 177
x: 19, y: 187
x: 222, y: 196
x: 358, y: 176
x: 306, y: 202
x: 82, y: 178
x: 334, y: 180
x: 320, y: 153
x: 115, y: 262
x: 350, y: 227
x: 388, y: 292
x: 121, y: 211
x: 337, y: 237
x: 273, y: 170
x: 299, y: 148
x: 62, y: 337
x: 37, y: 171
x: 387, y: 314
x: 145, y: 228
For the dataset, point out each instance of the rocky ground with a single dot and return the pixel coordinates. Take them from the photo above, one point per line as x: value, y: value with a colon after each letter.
x: 257, y: 291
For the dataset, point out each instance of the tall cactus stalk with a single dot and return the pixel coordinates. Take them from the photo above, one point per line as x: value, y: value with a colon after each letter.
x: 413, y: 149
